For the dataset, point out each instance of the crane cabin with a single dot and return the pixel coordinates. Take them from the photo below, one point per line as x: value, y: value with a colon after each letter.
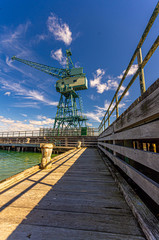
x: 75, y: 83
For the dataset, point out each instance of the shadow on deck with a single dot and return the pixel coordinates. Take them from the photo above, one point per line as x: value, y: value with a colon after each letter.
x: 76, y: 199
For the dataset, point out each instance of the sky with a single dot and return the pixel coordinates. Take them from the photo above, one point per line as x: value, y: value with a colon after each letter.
x: 102, y: 36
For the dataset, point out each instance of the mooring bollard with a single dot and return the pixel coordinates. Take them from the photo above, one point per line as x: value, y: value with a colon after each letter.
x: 46, y: 149
x: 78, y: 144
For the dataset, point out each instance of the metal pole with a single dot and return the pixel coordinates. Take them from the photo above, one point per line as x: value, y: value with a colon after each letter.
x: 104, y: 122
x: 117, y: 108
x: 108, y: 119
x: 141, y: 72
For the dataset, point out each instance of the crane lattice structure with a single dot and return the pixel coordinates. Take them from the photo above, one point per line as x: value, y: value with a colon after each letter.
x: 70, y: 80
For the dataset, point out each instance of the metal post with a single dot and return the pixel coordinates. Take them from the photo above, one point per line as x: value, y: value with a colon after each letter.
x: 104, y: 122
x: 108, y: 119
x: 141, y: 73
x: 117, y: 108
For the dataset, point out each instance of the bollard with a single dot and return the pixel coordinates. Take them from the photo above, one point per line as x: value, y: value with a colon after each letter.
x: 46, y: 149
x: 28, y: 140
x: 78, y: 144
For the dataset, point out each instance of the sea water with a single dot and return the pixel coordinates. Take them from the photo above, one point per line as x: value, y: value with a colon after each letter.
x: 13, y: 162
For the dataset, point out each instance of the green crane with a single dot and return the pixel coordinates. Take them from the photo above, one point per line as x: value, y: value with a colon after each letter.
x: 70, y: 80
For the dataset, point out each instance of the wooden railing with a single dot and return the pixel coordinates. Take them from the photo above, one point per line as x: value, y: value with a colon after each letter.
x: 141, y: 64
x: 132, y: 142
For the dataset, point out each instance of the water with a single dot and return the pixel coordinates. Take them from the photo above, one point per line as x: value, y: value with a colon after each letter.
x: 14, y: 162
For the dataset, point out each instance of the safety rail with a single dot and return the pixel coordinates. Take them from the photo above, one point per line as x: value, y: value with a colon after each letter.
x: 131, y: 142
x: 50, y: 132
x: 141, y: 65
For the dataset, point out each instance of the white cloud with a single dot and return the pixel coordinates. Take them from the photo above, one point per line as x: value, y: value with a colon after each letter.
x: 96, y: 82
x: 131, y: 72
x: 92, y: 97
x: 60, y: 30
x: 29, y: 94
x: 13, y: 41
x: 12, y: 36
x: 7, y: 124
x: 99, y: 112
x: 7, y: 93
x: 40, y: 117
x: 41, y: 37
x: 89, y: 124
x: 24, y: 115
x: 110, y: 84
x: 58, y: 55
x: 93, y: 116
x: 47, y: 121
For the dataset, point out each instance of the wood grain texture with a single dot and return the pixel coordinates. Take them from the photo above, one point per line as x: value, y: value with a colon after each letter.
x: 147, y: 220
x: 146, y: 131
x: 76, y: 199
x: 148, y: 185
x: 145, y: 111
x: 148, y: 159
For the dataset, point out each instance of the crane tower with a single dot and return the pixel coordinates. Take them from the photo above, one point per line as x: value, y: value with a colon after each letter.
x: 70, y: 80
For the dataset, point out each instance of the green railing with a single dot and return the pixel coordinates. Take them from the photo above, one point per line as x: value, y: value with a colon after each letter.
x: 50, y: 132
x: 141, y: 64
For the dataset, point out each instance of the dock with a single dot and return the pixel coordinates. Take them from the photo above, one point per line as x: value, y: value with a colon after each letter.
x: 76, y: 199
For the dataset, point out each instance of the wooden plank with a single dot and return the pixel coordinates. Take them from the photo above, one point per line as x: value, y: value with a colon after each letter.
x: 146, y: 131
x: 72, y: 196
x: 107, y: 132
x: 148, y: 159
x: 147, y: 220
x: 145, y: 111
x: 148, y: 185
x: 35, y: 232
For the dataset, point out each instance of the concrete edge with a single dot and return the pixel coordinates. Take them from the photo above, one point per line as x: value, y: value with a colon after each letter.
x: 147, y: 221
x: 7, y: 182
x: 18, y: 176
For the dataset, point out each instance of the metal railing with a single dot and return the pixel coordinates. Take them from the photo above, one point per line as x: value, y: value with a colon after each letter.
x: 141, y: 65
x: 49, y: 133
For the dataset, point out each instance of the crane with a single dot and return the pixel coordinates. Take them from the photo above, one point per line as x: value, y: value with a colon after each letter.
x: 70, y: 80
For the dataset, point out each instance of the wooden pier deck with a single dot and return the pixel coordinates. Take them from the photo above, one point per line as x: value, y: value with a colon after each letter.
x: 77, y: 199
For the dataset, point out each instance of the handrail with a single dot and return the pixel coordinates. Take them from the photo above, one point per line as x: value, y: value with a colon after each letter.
x: 44, y: 132
x: 140, y: 66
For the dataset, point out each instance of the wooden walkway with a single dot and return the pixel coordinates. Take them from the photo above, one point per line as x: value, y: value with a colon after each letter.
x: 77, y: 199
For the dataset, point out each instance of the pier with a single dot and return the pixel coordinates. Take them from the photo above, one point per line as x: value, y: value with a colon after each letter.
x: 76, y: 199
x: 107, y: 187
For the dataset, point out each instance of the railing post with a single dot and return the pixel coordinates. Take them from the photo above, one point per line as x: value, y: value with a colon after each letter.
x: 104, y: 122
x: 117, y: 108
x: 108, y: 119
x: 141, y: 73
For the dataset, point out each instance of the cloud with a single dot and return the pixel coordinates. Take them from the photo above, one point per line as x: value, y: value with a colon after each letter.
x: 92, y: 97
x: 99, y: 112
x: 58, y: 55
x: 40, y: 117
x: 13, y: 41
x: 29, y: 94
x: 24, y: 115
x: 93, y: 116
x: 96, y: 82
x: 60, y: 30
x: 89, y: 124
x: 131, y: 72
x: 20, y: 30
x: 7, y: 124
x: 110, y: 84
x: 7, y: 93
x: 47, y: 121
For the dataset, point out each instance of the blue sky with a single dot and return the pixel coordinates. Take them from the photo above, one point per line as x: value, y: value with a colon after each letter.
x: 102, y: 36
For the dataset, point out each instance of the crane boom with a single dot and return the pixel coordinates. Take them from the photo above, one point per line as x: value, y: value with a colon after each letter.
x: 55, y: 72
x: 70, y: 80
